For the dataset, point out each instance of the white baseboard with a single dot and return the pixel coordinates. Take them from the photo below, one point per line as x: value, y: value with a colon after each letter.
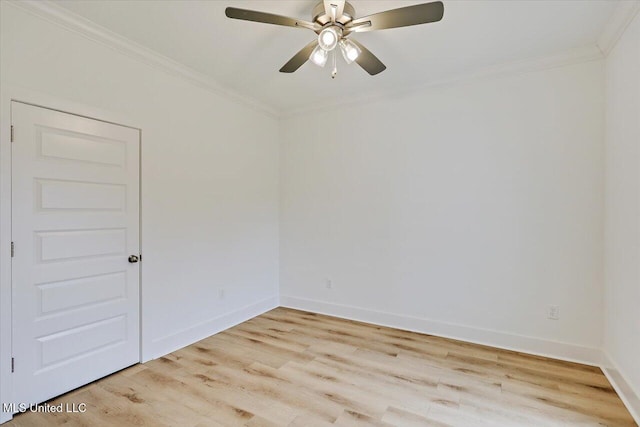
x: 531, y: 345
x: 177, y: 340
x: 507, y: 341
x: 626, y: 392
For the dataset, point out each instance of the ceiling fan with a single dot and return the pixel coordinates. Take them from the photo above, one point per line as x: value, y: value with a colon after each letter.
x: 334, y: 21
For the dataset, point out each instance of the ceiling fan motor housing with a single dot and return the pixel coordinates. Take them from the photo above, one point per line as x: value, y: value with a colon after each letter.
x: 320, y: 16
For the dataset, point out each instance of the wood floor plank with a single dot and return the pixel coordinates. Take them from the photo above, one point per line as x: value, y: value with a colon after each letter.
x: 294, y: 368
x: 401, y: 417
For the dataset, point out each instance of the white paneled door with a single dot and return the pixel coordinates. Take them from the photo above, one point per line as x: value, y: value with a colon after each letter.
x: 75, y: 224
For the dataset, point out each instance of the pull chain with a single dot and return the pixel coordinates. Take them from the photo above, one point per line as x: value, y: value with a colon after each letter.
x: 334, y: 72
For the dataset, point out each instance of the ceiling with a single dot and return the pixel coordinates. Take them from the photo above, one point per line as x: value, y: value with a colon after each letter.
x: 246, y: 56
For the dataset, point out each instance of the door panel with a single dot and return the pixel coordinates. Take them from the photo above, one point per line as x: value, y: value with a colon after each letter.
x: 69, y: 195
x: 83, y: 292
x: 75, y: 221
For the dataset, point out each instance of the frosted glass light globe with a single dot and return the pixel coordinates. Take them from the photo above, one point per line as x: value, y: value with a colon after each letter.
x: 328, y: 38
x: 350, y: 51
x: 319, y: 56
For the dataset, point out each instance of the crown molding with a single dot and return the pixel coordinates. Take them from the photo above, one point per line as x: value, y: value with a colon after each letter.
x: 561, y: 59
x: 622, y: 16
x: 49, y: 11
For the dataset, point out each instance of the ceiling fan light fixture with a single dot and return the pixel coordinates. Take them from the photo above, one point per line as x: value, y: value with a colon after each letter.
x: 319, y: 56
x: 350, y: 51
x: 332, y: 20
x: 329, y: 37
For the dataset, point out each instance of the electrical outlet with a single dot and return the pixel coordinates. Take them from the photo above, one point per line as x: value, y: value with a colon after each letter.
x: 221, y: 293
x: 553, y: 312
x: 328, y: 283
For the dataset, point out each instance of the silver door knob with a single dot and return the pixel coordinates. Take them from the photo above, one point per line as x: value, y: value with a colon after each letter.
x: 133, y: 258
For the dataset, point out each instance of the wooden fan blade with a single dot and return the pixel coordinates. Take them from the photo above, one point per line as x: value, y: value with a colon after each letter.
x: 402, y: 17
x: 267, y: 18
x: 368, y: 60
x: 329, y: 5
x: 299, y: 58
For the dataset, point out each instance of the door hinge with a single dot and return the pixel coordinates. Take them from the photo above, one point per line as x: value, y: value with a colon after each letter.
x: 13, y: 364
x: 13, y: 249
x: 11, y: 133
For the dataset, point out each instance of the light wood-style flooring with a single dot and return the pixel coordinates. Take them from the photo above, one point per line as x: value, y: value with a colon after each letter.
x: 293, y: 368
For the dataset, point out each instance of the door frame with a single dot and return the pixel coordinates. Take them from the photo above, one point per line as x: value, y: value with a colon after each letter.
x: 38, y: 99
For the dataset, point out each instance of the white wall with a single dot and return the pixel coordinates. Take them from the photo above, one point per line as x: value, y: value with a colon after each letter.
x: 209, y: 179
x: 460, y: 211
x: 622, y: 229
